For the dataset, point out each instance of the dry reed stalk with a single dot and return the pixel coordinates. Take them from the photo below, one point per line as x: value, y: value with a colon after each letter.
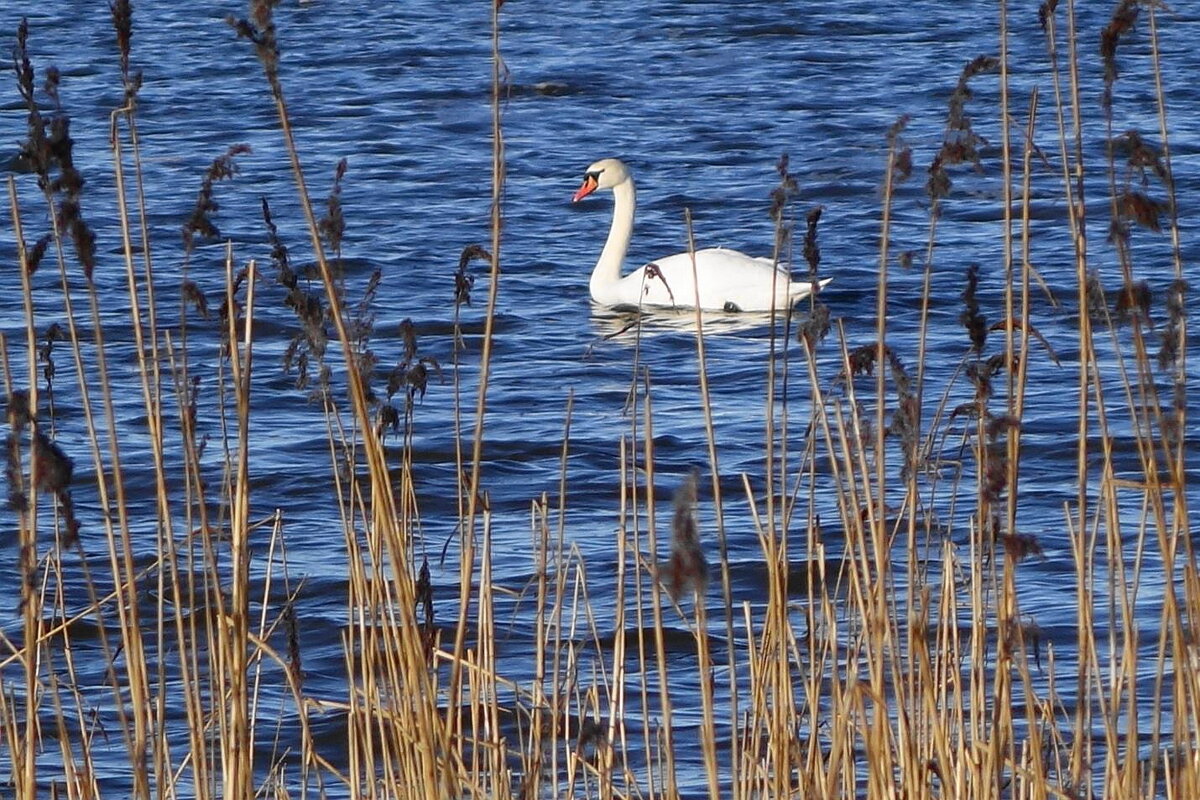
x: 419, y: 741
x: 66, y: 215
x: 1017, y: 354
x: 722, y: 550
x: 557, y: 678
x: 22, y: 742
x: 467, y: 558
x: 234, y: 633
x: 666, y: 743
x: 616, y: 733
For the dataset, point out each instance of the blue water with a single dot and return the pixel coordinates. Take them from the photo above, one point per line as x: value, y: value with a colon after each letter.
x: 700, y: 99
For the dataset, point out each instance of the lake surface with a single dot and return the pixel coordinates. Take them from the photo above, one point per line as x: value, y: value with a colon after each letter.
x: 700, y: 99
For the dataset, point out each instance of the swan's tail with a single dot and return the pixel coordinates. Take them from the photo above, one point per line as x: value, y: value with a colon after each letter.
x: 798, y: 290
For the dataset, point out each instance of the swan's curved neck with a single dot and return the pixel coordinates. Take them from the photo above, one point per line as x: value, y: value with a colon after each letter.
x: 608, y: 268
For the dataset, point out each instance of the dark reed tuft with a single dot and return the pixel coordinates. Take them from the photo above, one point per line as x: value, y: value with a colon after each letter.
x: 413, y: 372
x: 593, y: 736
x: 360, y: 321
x: 260, y: 30
x: 464, y: 281
x: 1096, y: 300
x: 35, y: 254
x: 1000, y: 424
x: 1140, y: 154
x: 410, y: 374
x: 1123, y: 18
x: 54, y: 333
x: 1133, y: 301
x: 1142, y: 209
x: 310, y: 341
x: 1136, y: 205
x: 20, y: 417
x: 783, y: 192
x: 389, y: 416
x: 54, y: 470
x: 862, y: 361
x: 194, y: 296
x: 980, y: 374
x: 1169, y: 355
x: 424, y: 599
x: 1031, y: 632
x: 901, y: 165
x: 687, y: 569
x: 362, y: 318
x: 1020, y: 324
x: 961, y: 143
x: 408, y: 336
x: 122, y: 17
x: 193, y: 402
x: 971, y: 317
x: 36, y: 147
x: 995, y: 474
x: 1020, y: 546
x: 284, y: 273
x: 18, y: 500
x: 333, y: 225
x: 224, y: 312
x: 938, y: 185
x: 49, y: 148
x: 970, y: 410
x: 82, y: 236
x: 365, y: 362
x: 1046, y: 13
x: 816, y: 326
x: 905, y: 426
x: 19, y: 412
x: 200, y: 220
x: 424, y: 592
x: 295, y: 663
x: 812, y: 249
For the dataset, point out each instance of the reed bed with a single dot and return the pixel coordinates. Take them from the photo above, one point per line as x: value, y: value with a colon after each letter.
x: 889, y: 653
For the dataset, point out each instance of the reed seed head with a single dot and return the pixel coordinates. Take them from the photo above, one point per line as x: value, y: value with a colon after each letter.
x: 53, y: 467
x: 971, y: 318
x: 333, y: 225
x: 1020, y: 546
x: 20, y: 414
x: 1170, y: 354
x: 687, y: 569
x: 1123, y: 19
x: 463, y: 281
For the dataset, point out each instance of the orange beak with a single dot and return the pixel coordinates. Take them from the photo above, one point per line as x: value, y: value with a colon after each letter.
x: 589, y: 185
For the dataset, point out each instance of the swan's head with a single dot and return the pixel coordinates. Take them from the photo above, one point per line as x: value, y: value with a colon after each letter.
x: 604, y: 174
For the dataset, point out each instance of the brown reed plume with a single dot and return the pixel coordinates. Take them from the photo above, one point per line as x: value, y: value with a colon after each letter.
x: 1124, y: 17
x: 200, y: 221
x: 971, y: 318
x: 686, y: 571
x: 48, y: 148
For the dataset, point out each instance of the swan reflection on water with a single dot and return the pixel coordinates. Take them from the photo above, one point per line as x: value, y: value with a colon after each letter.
x: 625, y: 325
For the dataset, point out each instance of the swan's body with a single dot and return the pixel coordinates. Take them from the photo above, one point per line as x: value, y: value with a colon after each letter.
x: 727, y: 279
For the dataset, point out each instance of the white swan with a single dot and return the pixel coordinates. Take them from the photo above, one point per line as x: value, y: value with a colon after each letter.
x: 728, y: 280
